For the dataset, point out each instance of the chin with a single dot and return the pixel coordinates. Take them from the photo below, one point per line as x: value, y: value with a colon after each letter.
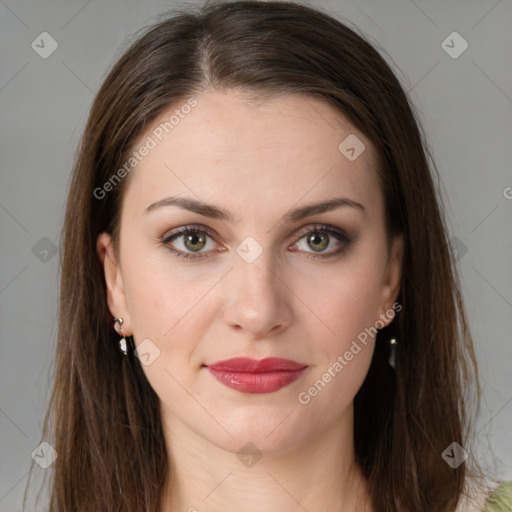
x: 269, y: 434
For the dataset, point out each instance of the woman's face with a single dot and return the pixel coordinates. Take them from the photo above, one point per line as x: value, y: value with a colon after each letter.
x: 251, y: 282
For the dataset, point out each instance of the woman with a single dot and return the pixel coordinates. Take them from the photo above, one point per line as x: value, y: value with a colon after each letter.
x: 259, y: 309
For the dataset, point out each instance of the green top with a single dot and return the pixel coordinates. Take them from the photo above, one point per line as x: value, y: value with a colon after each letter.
x: 501, y: 499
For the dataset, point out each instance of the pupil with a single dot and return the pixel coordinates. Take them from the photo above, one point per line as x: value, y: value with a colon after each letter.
x: 194, y: 239
x: 319, y: 239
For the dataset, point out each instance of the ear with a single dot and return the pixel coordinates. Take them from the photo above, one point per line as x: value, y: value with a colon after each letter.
x: 116, y: 297
x: 392, y: 278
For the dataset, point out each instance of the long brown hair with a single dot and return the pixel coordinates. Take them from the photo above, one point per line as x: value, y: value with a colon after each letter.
x: 103, y: 416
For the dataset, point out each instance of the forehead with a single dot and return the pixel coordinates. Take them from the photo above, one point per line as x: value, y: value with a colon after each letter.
x: 264, y: 152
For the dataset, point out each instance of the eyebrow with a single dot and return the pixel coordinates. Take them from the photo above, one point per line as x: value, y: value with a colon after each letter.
x: 215, y: 212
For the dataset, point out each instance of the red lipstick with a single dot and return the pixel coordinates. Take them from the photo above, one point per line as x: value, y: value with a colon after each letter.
x: 251, y: 376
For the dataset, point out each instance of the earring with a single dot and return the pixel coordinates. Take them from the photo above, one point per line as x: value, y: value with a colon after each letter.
x: 392, y: 352
x: 118, y: 322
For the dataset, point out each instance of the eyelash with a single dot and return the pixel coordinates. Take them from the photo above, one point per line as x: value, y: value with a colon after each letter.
x: 337, y: 233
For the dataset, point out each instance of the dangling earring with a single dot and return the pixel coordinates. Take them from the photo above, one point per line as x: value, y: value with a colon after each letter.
x: 118, y: 322
x: 392, y: 352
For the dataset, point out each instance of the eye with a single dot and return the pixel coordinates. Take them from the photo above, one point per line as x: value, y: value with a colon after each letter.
x: 190, y: 242
x: 195, y: 242
x: 320, y: 239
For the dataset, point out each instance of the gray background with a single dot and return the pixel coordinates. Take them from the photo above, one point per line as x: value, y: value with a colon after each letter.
x: 465, y: 104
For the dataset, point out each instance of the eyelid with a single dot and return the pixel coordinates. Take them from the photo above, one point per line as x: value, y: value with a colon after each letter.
x: 340, y: 234
x: 318, y: 226
x: 334, y: 232
x: 167, y: 236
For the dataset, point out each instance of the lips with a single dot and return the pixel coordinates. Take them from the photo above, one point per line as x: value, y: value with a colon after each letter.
x: 251, y: 376
x: 247, y: 365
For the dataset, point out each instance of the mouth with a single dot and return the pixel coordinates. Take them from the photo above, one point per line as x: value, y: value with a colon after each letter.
x: 251, y: 376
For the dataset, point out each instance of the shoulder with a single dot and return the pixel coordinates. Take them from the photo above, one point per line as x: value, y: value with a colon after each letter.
x: 495, y: 498
x: 500, y: 500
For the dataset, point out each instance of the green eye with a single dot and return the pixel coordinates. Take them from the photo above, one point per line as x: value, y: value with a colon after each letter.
x: 319, y: 238
x: 194, y: 242
x: 191, y: 239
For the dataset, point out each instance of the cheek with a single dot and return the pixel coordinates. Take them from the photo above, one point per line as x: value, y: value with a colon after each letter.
x: 166, y: 309
x: 349, y: 310
x: 346, y: 299
x: 161, y: 294
x: 343, y: 352
x: 172, y: 308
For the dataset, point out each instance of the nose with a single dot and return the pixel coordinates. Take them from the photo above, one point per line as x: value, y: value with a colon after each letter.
x: 259, y: 300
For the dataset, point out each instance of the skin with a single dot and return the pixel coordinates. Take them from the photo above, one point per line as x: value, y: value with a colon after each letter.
x: 258, y: 161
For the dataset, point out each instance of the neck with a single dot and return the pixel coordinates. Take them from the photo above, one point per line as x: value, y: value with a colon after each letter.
x: 319, y: 474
